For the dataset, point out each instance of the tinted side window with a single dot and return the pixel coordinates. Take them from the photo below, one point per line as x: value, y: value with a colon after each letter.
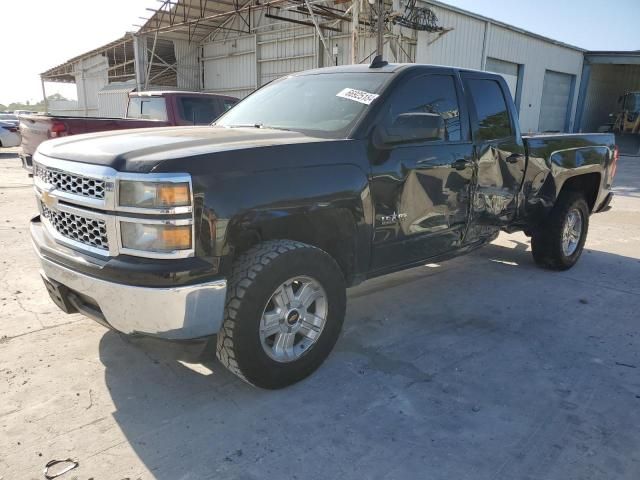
x: 199, y: 110
x: 428, y: 94
x: 491, y: 109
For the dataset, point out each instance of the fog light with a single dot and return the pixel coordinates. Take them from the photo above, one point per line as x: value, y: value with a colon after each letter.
x: 161, y: 238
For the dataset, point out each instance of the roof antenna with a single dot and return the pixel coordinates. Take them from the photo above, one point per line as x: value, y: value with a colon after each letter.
x: 378, y: 62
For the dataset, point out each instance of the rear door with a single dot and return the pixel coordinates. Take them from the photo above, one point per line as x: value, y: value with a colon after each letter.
x: 421, y: 190
x: 499, y: 151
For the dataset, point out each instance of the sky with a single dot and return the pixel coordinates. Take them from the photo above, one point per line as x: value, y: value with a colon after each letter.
x: 588, y: 24
x: 40, y: 34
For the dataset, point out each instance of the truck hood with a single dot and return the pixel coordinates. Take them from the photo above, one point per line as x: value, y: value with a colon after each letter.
x: 141, y: 150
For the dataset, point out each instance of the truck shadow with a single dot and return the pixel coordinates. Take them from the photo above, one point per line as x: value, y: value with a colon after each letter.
x: 395, y: 376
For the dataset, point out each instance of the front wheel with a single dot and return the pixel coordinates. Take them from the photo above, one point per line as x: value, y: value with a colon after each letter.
x: 558, y: 243
x: 285, y: 308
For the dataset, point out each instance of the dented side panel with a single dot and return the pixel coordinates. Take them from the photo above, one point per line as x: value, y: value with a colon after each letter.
x: 553, y: 160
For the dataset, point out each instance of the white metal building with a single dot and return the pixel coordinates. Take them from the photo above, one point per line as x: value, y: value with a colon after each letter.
x: 233, y: 47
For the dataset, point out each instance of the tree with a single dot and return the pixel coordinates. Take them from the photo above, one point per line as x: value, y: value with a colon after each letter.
x: 27, y: 105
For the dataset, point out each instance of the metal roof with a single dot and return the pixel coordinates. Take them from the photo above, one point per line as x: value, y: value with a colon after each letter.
x: 120, y: 57
x: 193, y: 20
x: 614, y: 57
x: 119, y: 54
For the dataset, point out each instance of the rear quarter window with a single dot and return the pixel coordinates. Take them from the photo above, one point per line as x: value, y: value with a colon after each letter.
x: 491, y: 109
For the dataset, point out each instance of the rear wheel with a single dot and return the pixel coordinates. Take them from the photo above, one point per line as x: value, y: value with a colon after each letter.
x: 284, y: 312
x: 559, y: 241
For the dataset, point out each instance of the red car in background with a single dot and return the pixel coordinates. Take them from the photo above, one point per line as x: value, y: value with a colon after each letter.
x: 145, y: 109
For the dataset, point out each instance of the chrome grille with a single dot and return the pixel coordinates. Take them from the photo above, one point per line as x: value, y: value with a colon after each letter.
x: 80, y: 229
x: 70, y: 183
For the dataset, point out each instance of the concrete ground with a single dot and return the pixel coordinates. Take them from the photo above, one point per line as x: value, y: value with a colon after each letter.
x: 484, y: 367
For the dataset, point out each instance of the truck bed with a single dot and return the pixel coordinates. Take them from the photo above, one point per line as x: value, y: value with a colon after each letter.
x: 554, y: 158
x: 559, y: 147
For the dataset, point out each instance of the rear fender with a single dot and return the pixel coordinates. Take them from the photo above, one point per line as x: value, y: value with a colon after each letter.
x: 550, y: 171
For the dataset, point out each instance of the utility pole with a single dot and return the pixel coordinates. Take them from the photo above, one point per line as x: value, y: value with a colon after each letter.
x: 380, y: 44
x: 44, y: 96
x: 355, y: 14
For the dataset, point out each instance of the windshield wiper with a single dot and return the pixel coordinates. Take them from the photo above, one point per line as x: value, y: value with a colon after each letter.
x: 258, y: 125
x: 246, y: 125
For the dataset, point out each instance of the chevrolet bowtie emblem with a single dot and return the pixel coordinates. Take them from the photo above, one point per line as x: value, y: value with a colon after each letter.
x: 49, y: 200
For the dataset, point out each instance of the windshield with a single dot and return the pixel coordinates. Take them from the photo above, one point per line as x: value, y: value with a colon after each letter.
x: 325, y: 105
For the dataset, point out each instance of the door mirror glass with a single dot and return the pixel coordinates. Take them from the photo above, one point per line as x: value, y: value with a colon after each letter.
x: 413, y: 127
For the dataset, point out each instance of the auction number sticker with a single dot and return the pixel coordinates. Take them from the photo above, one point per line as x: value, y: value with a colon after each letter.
x: 357, y: 95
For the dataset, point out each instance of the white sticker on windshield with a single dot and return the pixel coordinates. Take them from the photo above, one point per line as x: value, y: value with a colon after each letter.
x: 357, y: 95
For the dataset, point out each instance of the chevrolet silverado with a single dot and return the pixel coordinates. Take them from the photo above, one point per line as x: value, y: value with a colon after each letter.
x: 249, y: 231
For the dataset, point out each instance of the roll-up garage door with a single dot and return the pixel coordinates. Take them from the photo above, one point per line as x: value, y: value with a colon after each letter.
x: 508, y: 70
x: 556, y: 93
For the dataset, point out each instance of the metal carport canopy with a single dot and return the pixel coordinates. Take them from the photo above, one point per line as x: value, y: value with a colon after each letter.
x: 194, y: 20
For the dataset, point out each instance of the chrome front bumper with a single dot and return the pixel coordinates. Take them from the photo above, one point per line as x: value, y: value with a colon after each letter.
x: 175, y: 313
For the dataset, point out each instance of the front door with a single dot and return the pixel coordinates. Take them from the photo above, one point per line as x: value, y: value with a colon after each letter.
x: 421, y: 191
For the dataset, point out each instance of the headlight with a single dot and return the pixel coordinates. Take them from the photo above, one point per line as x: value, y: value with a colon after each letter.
x: 154, y: 237
x: 154, y: 195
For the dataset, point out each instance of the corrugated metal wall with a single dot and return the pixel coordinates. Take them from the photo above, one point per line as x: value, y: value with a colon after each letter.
x: 460, y: 47
x: 283, y: 52
x: 606, y: 84
x: 236, y: 64
x: 229, y: 66
x: 188, y: 64
x: 114, y: 99
x: 91, y: 76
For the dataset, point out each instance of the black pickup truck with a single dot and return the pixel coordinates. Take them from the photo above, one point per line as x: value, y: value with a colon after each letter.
x: 252, y: 229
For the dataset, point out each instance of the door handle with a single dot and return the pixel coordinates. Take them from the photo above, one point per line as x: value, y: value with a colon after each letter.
x: 514, y: 158
x: 460, y: 164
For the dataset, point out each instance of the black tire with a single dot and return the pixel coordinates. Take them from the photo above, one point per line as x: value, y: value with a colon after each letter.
x: 546, y: 241
x: 256, y: 275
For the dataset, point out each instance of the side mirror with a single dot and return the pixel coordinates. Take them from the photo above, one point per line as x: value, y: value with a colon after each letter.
x: 412, y: 127
x: 620, y: 99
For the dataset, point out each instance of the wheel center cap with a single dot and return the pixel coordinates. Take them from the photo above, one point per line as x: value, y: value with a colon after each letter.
x: 293, y: 317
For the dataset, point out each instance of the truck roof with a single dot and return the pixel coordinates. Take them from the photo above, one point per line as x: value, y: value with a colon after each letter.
x: 388, y: 68
x: 165, y: 93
